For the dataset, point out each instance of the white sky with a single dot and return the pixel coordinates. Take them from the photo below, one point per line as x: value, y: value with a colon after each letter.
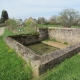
x: 36, y: 8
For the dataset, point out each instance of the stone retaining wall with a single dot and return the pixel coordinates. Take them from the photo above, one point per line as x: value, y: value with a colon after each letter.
x: 40, y: 63
x: 43, y: 33
x: 27, y: 39
x: 70, y: 35
x: 48, y: 61
x: 27, y: 54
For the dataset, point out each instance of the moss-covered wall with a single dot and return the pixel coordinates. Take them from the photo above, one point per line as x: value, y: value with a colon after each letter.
x: 27, y: 39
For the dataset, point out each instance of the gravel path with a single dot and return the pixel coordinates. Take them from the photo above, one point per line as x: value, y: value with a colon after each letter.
x: 1, y: 30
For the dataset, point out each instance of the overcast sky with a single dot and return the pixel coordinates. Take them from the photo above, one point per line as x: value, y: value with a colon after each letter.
x: 36, y: 8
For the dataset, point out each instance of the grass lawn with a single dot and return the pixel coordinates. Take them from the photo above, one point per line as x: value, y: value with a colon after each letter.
x: 12, y: 67
x: 58, y: 26
x: 42, y: 26
x: 26, y: 30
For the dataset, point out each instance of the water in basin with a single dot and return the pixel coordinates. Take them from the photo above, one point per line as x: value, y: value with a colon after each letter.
x: 41, y: 48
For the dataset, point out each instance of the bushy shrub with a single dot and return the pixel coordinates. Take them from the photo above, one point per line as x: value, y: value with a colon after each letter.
x: 11, y: 24
x: 53, y: 39
x: 66, y: 43
x: 31, y: 25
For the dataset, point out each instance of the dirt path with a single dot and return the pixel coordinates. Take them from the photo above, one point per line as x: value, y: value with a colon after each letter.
x: 55, y: 44
x: 1, y: 30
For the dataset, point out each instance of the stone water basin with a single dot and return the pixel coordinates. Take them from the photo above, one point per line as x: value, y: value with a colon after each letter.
x: 41, y: 48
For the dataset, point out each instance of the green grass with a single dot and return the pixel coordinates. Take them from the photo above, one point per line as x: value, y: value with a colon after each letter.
x: 51, y: 39
x: 58, y: 26
x: 66, y: 43
x: 42, y: 26
x: 7, y: 33
x: 25, y: 30
x: 67, y: 70
x: 12, y: 67
x: 75, y: 26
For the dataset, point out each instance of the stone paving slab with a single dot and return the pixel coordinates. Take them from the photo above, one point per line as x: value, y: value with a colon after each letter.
x: 56, y: 44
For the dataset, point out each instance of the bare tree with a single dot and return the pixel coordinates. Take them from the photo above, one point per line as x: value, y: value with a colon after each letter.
x: 68, y: 17
x: 42, y: 20
x: 53, y: 19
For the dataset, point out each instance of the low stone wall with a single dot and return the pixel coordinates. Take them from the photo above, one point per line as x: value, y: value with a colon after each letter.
x: 27, y: 54
x: 48, y: 61
x: 70, y: 35
x: 41, y: 63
